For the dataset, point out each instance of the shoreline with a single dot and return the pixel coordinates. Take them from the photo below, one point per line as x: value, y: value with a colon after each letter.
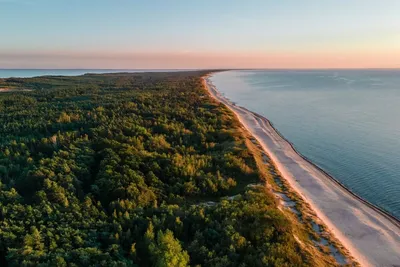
x: 370, y: 234
x: 390, y: 217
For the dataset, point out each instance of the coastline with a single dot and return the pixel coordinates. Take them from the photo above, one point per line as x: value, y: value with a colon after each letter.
x: 390, y: 217
x: 371, y: 235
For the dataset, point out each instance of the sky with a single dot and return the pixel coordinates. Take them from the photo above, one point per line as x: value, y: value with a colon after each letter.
x: 180, y: 34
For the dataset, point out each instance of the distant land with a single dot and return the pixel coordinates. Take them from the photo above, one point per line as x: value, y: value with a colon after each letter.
x: 29, y: 73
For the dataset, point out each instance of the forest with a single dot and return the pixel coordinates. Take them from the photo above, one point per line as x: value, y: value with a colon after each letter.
x: 132, y: 169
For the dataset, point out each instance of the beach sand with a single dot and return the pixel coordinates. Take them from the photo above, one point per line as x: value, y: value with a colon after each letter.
x: 370, y: 235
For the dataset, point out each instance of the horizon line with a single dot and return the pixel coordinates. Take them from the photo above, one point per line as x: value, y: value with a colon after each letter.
x: 200, y: 69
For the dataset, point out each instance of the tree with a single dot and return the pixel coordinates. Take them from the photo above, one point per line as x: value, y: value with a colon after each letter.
x: 33, y: 242
x: 167, y: 251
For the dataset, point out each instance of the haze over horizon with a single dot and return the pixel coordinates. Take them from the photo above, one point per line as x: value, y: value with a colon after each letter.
x: 179, y: 34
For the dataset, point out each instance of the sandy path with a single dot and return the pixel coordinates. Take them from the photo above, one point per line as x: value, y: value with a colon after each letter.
x: 371, y: 236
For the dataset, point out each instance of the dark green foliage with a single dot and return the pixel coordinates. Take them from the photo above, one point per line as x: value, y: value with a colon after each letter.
x: 111, y: 170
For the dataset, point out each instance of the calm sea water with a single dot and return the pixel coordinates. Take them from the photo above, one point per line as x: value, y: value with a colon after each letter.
x: 27, y: 73
x: 345, y: 121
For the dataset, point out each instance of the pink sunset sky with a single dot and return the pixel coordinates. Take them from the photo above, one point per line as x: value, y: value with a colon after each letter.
x: 188, y: 60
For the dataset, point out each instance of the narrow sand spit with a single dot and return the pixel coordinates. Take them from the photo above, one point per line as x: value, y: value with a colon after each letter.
x: 371, y: 236
x: 5, y: 90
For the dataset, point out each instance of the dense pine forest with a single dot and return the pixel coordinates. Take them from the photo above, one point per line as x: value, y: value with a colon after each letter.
x: 132, y: 170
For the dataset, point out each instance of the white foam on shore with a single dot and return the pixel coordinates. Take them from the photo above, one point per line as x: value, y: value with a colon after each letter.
x: 371, y: 236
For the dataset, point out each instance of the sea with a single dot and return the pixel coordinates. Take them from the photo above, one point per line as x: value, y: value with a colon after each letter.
x: 346, y: 121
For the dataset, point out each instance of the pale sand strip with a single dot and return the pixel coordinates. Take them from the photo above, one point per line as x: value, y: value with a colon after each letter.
x: 371, y: 236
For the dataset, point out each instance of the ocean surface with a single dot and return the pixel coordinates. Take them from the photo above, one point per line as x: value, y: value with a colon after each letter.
x: 345, y: 121
x: 27, y: 73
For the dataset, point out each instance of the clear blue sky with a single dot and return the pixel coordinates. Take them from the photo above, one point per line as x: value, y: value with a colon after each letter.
x: 88, y: 33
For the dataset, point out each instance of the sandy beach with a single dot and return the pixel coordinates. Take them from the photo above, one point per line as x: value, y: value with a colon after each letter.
x: 371, y: 236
